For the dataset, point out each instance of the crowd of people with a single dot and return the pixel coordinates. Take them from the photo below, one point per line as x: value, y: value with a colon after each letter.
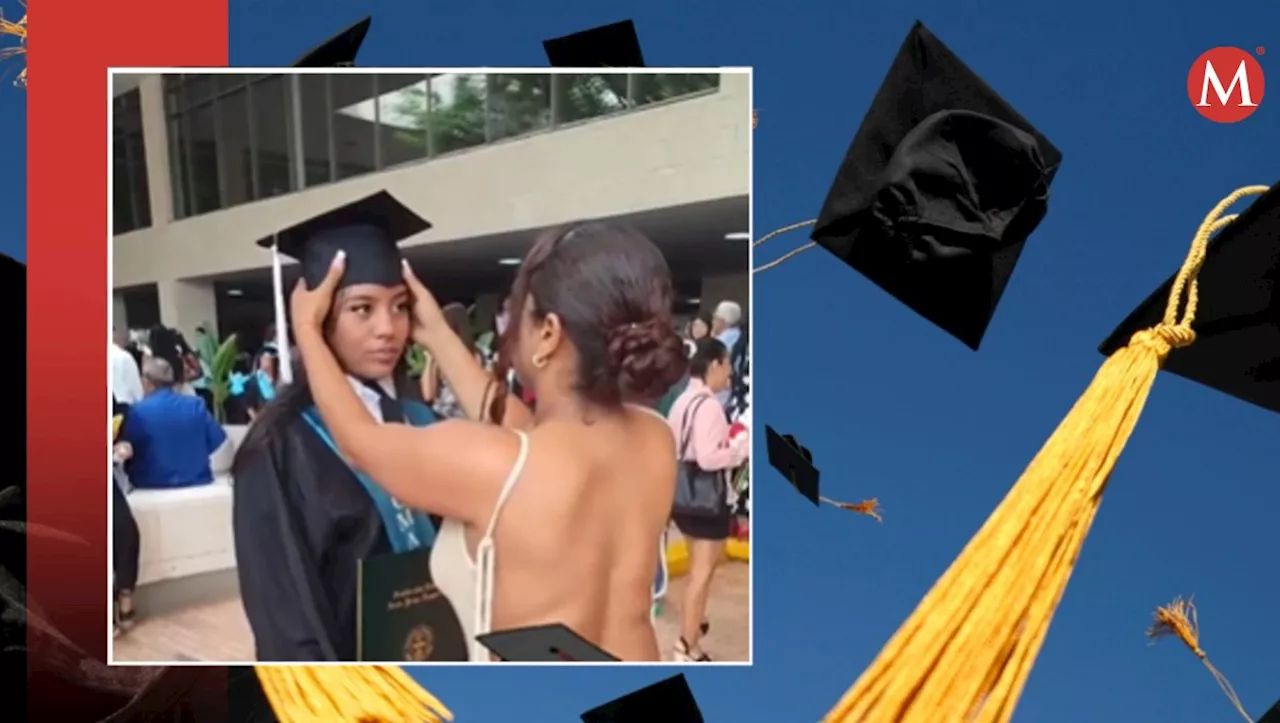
x: 542, y: 464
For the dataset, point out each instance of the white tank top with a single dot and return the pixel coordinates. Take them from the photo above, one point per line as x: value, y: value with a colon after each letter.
x: 467, y: 583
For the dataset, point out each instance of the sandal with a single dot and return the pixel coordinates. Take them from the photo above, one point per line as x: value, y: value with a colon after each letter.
x: 681, y: 653
x: 125, y: 619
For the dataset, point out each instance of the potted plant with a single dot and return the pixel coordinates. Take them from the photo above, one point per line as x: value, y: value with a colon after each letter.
x: 220, y: 368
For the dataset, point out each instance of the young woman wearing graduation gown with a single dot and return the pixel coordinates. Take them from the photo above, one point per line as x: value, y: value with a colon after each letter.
x: 553, y: 518
x: 302, y: 518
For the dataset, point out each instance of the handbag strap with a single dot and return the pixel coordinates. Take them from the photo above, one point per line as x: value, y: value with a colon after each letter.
x: 686, y: 429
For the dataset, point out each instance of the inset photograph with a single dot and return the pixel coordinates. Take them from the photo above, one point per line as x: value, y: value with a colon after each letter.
x: 443, y: 365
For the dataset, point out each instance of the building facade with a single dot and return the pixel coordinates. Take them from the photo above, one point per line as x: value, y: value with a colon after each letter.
x: 203, y: 165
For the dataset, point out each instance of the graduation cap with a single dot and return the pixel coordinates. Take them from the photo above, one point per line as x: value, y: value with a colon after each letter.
x: 939, y: 191
x: 794, y: 461
x: 339, y: 51
x: 553, y: 643
x: 610, y: 46
x: 1237, y: 324
x: 670, y: 701
x: 1271, y: 716
x: 367, y: 230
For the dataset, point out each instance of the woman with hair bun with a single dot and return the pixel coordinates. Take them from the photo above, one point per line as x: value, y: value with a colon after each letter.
x: 553, y: 517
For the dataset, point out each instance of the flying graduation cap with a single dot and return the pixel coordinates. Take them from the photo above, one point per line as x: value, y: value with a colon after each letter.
x: 670, y: 701
x: 939, y: 191
x: 1237, y: 348
x: 367, y: 230
x: 339, y: 51
x: 610, y: 46
x: 1271, y: 716
x: 553, y: 643
x: 795, y: 462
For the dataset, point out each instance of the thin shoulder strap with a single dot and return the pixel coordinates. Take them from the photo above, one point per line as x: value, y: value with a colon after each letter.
x: 686, y: 426
x: 485, y: 555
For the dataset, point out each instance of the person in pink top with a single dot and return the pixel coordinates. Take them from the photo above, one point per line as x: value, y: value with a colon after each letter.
x: 699, y: 415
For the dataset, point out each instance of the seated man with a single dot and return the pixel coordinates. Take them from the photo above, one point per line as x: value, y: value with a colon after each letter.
x: 171, y: 434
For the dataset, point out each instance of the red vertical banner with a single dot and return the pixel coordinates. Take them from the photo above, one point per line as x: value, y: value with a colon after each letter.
x: 70, y: 48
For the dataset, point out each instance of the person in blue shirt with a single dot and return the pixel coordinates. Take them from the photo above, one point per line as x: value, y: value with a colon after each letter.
x: 172, y: 434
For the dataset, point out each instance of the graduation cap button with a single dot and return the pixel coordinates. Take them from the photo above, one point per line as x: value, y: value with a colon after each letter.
x: 552, y: 643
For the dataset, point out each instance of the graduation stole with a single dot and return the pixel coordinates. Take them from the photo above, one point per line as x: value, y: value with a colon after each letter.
x: 266, y: 390
x: 406, y: 529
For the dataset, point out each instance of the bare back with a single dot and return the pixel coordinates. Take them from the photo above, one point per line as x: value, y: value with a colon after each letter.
x: 577, y: 541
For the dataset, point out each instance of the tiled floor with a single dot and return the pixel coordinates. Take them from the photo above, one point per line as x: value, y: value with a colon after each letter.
x: 218, y: 631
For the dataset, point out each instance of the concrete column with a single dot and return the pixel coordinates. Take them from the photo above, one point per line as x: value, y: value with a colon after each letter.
x: 155, y: 136
x: 184, y: 305
x: 730, y: 287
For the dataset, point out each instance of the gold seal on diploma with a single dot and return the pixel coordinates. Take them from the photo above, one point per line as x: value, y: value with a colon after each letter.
x: 419, y: 644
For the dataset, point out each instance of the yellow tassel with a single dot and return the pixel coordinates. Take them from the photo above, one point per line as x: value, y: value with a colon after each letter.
x: 19, y: 31
x: 967, y: 650
x: 348, y: 694
x: 870, y: 508
x: 1179, y: 619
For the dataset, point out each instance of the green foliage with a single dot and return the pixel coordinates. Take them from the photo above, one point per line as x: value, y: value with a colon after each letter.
x: 453, y: 110
x: 224, y: 361
x: 416, y: 359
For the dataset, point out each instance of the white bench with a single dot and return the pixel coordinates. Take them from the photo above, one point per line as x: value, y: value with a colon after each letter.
x: 188, y: 531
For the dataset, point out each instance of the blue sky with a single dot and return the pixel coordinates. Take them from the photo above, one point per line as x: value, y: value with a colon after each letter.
x: 892, y: 407
x: 13, y: 149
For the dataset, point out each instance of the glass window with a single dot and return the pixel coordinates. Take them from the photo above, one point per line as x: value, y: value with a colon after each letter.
x: 518, y: 104
x: 131, y: 202
x: 402, y: 118
x: 580, y: 96
x: 315, y: 128
x: 457, y: 112
x: 197, y: 89
x: 352, y: 121
x: 272, y: 111
x: 234, y: 147
x: 654, y: 88
x: 179, y: 168
x: 203, y: 154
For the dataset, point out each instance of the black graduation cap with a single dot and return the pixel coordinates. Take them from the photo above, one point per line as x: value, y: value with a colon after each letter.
x: 669, y: 701
x: 1237, y: 322
x: 367, y: 230
x: 339, y: 51
x: 610, y: 46
x: 1271, y: 716
x: 794, y: 461
x: 553, y: 643
x: 939, y: 191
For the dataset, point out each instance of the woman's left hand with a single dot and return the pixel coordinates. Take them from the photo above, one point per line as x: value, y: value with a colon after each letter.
x: 309, y: 307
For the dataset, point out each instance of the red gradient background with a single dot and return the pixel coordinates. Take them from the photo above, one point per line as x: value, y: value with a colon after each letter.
x: 70, y: 48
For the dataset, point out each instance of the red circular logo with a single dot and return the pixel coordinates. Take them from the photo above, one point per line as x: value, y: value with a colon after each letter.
x: 1226, y: 85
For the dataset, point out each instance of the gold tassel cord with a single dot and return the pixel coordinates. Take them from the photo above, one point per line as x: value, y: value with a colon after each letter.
x: 348, y: 694
x: 870, y: 508
x: 967, y: 650
x: 17, y: 30
x: 1179, y: 619
x: 788, y: 255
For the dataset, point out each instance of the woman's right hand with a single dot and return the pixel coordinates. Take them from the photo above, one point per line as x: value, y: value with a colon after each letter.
x: 427, y: 315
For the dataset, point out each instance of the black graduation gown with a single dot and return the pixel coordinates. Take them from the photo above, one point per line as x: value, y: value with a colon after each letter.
x: 302, y: 522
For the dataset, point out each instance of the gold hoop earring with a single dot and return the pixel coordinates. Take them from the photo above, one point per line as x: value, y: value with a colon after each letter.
x: 539, y: 361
